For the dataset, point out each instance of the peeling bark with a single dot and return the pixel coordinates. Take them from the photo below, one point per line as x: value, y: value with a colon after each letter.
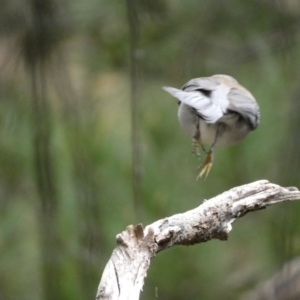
x: 124, y: 274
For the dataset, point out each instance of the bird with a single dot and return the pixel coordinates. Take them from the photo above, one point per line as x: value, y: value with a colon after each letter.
x: 215, y: 111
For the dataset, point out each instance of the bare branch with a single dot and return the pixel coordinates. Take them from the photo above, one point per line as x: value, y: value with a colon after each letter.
x: 124, y: 274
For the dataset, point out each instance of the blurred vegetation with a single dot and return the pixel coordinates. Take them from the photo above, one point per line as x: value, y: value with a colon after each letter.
x: 66, y: 179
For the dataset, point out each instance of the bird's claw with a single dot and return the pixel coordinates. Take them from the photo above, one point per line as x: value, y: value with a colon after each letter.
x: 206, y: 166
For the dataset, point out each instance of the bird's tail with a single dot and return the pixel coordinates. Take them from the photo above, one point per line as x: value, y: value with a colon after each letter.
x: 199, y: 101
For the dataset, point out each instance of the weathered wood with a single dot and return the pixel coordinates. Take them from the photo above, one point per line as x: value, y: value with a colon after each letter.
x: 124, y: 274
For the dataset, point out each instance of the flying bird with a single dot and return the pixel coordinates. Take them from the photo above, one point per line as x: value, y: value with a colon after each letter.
x: 216, y: 111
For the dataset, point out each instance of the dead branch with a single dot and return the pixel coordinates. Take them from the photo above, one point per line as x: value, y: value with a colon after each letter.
x: 124, y: 274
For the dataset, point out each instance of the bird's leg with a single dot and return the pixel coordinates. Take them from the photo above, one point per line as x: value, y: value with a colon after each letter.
x: 208, y: 162
x: 196, y: 141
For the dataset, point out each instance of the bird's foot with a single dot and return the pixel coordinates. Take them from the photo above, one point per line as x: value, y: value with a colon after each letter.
x: 206, y: 165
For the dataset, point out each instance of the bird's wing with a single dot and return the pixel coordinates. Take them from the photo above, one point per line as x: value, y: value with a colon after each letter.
x: 243, y: 103
x: 199, y: 101
x: 202, y: 83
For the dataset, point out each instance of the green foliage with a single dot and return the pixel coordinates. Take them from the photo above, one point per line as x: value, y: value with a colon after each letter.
x: 87, y: 94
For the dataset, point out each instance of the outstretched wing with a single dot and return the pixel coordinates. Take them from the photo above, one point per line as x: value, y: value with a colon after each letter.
x: 199, y: 101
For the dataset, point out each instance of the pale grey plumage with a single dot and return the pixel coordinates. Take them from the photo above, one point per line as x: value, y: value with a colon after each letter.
x: 216, y: 110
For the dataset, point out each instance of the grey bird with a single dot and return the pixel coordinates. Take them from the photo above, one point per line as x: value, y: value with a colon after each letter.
x: 217, y: 111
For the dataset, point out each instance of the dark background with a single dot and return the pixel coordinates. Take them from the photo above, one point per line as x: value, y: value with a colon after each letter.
x: 90, y: 143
